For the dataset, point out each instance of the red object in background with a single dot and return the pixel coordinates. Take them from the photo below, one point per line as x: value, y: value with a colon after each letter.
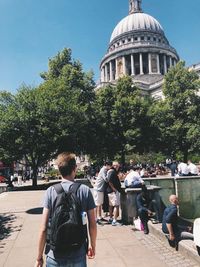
x: 2, y: 179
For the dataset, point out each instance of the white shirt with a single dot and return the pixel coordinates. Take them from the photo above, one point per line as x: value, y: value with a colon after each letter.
x: 131, y: 177
x: 192, y: 168
x: 183, y: 168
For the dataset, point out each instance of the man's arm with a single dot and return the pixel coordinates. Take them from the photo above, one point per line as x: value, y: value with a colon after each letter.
x: 171, y: 232
x: 92, y: 233
x: 42, y: 238
x: 171, y: 217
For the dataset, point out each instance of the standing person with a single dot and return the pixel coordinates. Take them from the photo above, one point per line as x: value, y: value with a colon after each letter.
x: 99, y: 189
x: 70, y: 258
x: 173, y: 168
x: 114, y: 190
x: 170, y: 223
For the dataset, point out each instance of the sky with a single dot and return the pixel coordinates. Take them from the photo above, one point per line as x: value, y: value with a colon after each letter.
x: 32, y: 31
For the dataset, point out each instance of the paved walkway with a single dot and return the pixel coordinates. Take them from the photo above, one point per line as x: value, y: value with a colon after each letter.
x: 20, y: 216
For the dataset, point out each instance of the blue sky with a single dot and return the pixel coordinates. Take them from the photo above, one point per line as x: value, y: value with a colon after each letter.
x: 32, y: 31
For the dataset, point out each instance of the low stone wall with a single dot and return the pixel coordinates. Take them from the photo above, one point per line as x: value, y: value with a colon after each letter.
x: 167, y: 186
x: 186, y: 188
x: 188, y: 192
x: 3, y: 188
x: 128, y: 202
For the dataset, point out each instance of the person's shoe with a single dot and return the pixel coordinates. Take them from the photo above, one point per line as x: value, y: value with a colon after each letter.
x: 154, y: 221
x: 98, y: 221
x: 110, y: 220
x: 115, y: 223
x: 146, y: 229
x: 152, y: 214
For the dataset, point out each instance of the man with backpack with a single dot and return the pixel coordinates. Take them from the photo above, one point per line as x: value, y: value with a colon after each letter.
x: 67, y: 207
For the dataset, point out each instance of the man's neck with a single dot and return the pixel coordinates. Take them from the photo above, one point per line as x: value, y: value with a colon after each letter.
x: 68, y: 178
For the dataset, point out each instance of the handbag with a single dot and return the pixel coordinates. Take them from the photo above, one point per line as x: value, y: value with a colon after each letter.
x: 138, y: 224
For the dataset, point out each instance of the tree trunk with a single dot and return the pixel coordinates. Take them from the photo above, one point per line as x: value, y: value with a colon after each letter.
x: 34, y: 178
x: 185, y: 156
x: 123, y: 157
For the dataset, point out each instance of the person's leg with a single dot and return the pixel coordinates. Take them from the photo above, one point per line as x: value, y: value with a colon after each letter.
x: 154, y: 208
x: 80, y: 262
x: 136, y: 184
x: 51, y: 262
x: 98, y: 196
x: 186, y: 236
x: 143, y: 214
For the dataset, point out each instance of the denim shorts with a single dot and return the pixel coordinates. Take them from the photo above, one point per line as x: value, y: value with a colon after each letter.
x: 81, y: 262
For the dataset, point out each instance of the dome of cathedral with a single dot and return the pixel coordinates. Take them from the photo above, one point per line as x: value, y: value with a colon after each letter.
x: 137, y: 22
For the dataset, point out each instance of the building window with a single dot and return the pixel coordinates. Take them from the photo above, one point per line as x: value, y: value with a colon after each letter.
x: 159, y: 40
x: 135, y: 38
x: 142, y: 38
x: 123, y: 41
x: 129, y: 39
x: 154, y: 38
x: 149, y: 38
x: 118, y: 43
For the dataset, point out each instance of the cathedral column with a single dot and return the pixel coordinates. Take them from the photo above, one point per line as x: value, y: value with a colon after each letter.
x: 170, y: 61
x: 102, y: 76
x: 158, y: 63
x: 150, y: 65
x: 106, y: 73
x: 111, y: 72
x: 132, y: 65
x: 116, y: 69
x: 165, y: 64
x: 124, y: 65
x: 141, y: 64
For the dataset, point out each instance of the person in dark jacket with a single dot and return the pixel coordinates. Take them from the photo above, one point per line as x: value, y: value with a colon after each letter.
x: 147, y: 208
x: 114, y: 190
x: 170, y: 223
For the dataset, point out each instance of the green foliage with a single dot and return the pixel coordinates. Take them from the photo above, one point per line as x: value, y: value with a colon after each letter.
x: 178, y: 115
x: 123, y: 114
x: 151, y: 157
x: 38, y: 123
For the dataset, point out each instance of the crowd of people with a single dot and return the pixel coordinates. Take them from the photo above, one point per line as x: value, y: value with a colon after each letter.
x: 106, y: 198
x: 108, y: 186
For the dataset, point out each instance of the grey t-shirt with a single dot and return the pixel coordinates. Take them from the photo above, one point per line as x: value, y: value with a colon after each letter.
x: 87, y: 203
x: 101, y: 180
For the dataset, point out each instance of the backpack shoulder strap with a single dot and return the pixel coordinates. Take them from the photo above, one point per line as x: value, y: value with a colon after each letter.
x: 58, y: 187
x: 74, y: 187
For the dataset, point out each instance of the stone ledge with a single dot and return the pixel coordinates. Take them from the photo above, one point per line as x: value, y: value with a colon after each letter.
x: 186, y: 247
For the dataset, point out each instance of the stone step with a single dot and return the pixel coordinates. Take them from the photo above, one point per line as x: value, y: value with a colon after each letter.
x: 186, y: 247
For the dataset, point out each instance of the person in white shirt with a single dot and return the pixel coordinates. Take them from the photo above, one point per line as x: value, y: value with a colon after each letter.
x: 193, y: 170
x: 133, y: 179
x: 183, y: 169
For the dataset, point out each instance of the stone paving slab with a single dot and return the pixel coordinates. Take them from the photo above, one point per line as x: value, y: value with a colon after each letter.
x: 118, y: 246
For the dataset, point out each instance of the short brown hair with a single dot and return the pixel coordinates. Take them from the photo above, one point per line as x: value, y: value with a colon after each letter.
x: 66, y: 163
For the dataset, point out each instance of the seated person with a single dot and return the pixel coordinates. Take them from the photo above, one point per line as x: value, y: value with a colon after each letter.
x: 183, y: 169
x: 170, y: 223
x: 147, y: 208
x: 144, y: 173
x: 133, y: 178
x: 193, y: 170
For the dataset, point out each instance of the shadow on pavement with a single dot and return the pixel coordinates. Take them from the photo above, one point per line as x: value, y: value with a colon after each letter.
x: 35, y: 211
x: 7, y: 228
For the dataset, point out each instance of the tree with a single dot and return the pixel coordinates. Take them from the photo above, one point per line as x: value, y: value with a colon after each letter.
x: 123, y: 112
x: 38, y: 123
x: 177, y: 116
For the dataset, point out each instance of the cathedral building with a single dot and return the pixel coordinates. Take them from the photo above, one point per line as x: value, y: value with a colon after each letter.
x: 138, y: 47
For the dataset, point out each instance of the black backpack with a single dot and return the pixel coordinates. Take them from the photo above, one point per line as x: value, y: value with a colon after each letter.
x: 67, y: 232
